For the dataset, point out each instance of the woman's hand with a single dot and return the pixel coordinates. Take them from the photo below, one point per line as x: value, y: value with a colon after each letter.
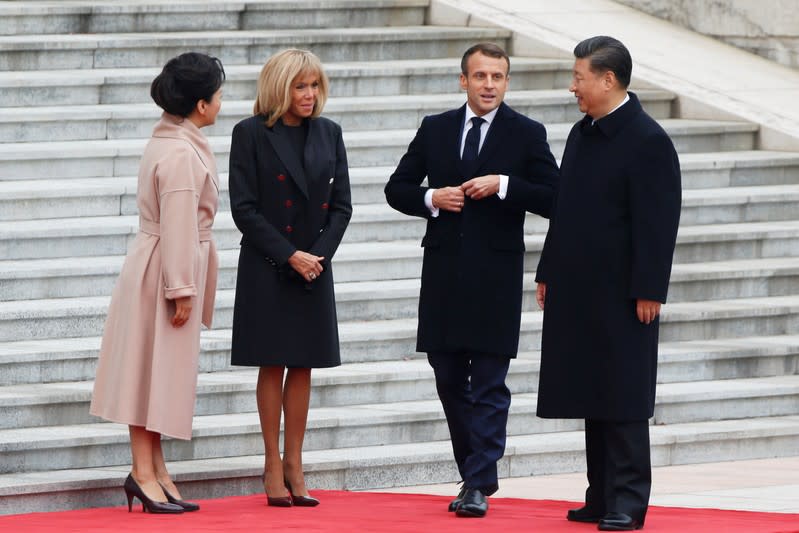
x: 307, y: 265
x: 182, y: 311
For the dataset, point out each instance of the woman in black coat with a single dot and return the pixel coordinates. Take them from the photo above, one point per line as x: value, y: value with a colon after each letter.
x: 290, y: 198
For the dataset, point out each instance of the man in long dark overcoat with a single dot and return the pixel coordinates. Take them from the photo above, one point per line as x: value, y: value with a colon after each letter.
x: 603, y: 274
x: 486, y: 165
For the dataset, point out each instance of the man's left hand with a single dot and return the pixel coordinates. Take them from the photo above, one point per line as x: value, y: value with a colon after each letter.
x: 647, y: 310
x: 482, y: 187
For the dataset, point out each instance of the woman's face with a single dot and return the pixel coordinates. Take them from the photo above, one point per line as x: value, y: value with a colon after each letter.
x: 304, y: 92
x: 205, y: 113
x: 213, y: 107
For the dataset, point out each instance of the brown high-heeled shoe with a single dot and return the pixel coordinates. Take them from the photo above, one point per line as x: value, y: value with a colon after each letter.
x: 187, y: 506
x: 276, y: 501
x: 132, y: 489
x: 300, y: 501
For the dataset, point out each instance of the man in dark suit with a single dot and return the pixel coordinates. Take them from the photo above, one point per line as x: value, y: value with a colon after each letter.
x: 603, y: 274
x: 486, y: 165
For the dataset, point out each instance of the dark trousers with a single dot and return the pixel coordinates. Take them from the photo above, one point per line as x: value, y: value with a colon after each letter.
x: 472, y: 390
x: 619, y: 468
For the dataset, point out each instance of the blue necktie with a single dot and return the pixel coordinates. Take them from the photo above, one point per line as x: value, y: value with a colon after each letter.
x: 472, y: 145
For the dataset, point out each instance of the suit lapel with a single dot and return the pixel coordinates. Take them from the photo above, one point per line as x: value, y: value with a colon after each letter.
x: 454, y: 136
x: 497, y: 133
x: 285, y: 151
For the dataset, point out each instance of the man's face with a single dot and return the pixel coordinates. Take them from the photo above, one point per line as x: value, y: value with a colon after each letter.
x: 486, y: 82
x: 591, y: 89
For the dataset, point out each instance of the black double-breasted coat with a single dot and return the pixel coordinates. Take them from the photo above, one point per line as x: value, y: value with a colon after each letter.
x: 610, y: 242
x: 281, y: 203
x: 471, y: 294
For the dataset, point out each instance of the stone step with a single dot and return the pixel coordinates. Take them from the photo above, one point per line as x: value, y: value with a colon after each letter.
x: 742, y: 168
x: 33, y: 88
x: 231, y: 434
x: 391, y: 465
x: 391, y: 421
x: 74, y: 359
x: 111, y: 235
x: 90, y: 51
x: 120, y: 157
x: 76, y: 17
x: 31, y: 199
x: 394, y: 304
x: 131, y: 121
x: 399, y: 260
x: 233, y: 391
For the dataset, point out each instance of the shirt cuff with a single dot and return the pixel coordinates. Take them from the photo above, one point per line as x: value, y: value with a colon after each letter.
x: 428, y: 201
x: 503, y: 186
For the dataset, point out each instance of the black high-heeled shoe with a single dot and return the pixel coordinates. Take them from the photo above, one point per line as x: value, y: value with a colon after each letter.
x: 300, y: 501
x: 276, y: 501
x: 132, y: 489
x: 187, y: 506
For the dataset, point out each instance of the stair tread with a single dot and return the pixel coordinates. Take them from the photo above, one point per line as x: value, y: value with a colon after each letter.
x: 133, y: 147
x: 392, y: 454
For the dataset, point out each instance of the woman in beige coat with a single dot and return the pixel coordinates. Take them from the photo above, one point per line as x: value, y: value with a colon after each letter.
x: 147, y: 372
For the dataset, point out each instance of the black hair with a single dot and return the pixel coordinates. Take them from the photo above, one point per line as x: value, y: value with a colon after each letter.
x: 607, y: 54
x: 185, y: 80
x: 488, y: 49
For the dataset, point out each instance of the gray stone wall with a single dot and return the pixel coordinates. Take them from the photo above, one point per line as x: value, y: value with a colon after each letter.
x: 769, y: 28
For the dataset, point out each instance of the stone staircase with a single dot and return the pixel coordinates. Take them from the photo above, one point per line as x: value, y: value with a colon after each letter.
x: 74, y: 118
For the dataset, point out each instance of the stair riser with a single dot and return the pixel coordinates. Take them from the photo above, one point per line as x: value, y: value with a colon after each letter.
x: 696, y: 178
x: 79, y: 284
x: 711, y: 328
x: 250, y: 442
x: 328, y: 49
x: 359, y: 154
x: 736, y: 408
x: 434, y: 468
x: 135, y: 91
x: 350, y: 120
x: 742, y: 367
x: 766, y: 211
x: 241, y: 399
x: 743, y: 247
x: 216, y: 18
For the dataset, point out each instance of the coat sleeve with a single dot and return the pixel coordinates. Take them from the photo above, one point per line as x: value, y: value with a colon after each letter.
x: 245, y: 204
x: 404, y: 190
x: 339, y: 206
x: 179, y: 179
x: 535, y: 189
x: 655, y: 196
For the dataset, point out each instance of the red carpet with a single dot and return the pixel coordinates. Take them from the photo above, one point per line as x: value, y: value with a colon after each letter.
x: 364, y: 512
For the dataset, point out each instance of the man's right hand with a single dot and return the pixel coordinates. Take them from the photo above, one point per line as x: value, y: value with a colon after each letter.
x: 541, y: 294
x: 448, y: 199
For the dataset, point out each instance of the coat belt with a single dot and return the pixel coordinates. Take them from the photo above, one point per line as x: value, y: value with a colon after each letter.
x: 154, y: 228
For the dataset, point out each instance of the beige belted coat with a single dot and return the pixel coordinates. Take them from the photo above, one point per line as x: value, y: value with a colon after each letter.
x: 147, y: 371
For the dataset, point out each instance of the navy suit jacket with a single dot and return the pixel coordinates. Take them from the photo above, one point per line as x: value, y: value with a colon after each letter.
x: 471, y: 294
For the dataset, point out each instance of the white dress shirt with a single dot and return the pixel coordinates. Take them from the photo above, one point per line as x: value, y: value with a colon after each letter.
x: 467, y: 125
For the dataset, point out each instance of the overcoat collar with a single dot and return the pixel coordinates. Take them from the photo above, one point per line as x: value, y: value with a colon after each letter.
x: 176, y: 127
x: 278, y: 137
x: 496, y: 136
x: 610, y: 125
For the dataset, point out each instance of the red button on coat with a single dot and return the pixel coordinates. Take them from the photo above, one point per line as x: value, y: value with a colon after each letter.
x: 289, y: 229
x: 324, y: 205
x: 281, y: 177
x: 289, y: 203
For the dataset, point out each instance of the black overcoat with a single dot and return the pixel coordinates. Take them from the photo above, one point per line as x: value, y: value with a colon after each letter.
x: 282, y: 203
x: 471, y: 294
x: 610, y: 242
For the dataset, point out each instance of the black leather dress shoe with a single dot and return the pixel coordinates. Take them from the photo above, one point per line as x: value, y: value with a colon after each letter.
x: 584, y: 514
x: 619, y: 522
x: 473, y: 505
x: 454, y: 504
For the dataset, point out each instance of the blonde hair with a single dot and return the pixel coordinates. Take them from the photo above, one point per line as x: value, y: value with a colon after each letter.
x: 273, y: 98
